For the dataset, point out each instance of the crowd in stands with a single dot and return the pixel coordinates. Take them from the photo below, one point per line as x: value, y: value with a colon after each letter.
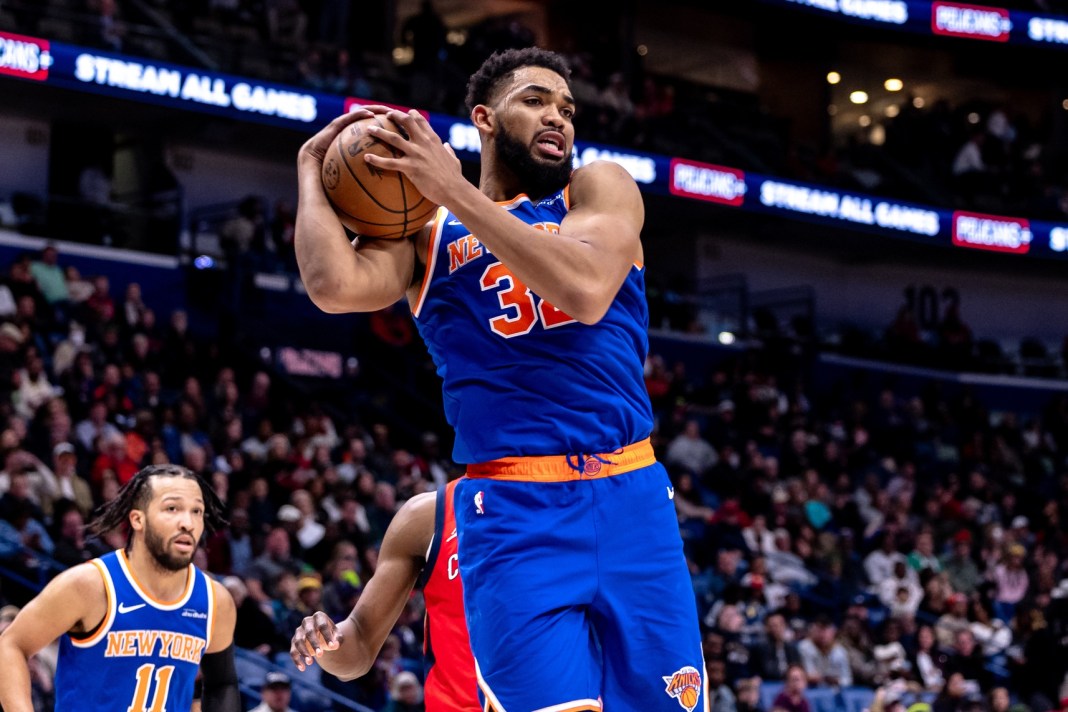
x: 908, y: 543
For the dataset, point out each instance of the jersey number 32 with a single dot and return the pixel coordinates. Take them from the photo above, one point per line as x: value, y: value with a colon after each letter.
x: 522, y: 309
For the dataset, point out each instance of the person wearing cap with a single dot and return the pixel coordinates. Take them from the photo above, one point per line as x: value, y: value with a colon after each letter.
x: 275, y: 693
x: 960, y: 568
x: 69, y: 484
x: 309, y: 593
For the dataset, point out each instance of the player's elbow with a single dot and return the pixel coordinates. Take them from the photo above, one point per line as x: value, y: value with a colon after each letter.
x: 321, y: 289
x: 355, y: 668
x: 326, y: 300
x: 333, y: 297
x: 352, y: 674
x: 588, y: 305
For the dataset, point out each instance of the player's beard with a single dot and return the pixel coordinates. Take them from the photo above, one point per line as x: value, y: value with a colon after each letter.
x: 157, y: 547
x: 537, y: 178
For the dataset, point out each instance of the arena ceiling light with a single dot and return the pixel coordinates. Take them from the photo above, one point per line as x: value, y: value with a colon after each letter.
x: 833, y: 77
x: 859, y: 97
x: 894, y: 84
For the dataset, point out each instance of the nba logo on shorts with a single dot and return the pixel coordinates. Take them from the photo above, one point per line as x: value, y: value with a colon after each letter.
x: 478, y: 502
x: 685, y: 686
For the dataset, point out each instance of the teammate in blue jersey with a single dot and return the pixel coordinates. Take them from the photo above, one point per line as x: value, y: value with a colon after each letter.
x: 529, y: 291
x: 136, y: 625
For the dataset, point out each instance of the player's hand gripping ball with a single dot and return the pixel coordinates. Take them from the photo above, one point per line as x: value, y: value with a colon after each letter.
x: 370, y: 201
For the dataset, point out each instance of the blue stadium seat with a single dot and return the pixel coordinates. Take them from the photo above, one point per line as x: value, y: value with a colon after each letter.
x: 249, y: 672
x: 768, y: 692
x: 857, y: 699
x: 823, y: 699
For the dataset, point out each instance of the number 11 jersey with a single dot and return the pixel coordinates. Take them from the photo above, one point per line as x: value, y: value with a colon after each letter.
x: 144, y: 655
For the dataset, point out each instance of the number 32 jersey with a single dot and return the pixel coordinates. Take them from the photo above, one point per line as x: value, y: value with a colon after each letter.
x: 520, y: 377
x: 144, y: 655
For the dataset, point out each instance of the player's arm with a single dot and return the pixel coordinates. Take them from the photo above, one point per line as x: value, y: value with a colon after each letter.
x: 579, y: 270
x: 73, y: 601
x: 348, y: 649
x: 339, y: 277
x: 220, y: 692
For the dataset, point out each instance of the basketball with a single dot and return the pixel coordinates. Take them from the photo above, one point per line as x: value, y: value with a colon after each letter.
x: 369, y: 201
x: 688, y: 698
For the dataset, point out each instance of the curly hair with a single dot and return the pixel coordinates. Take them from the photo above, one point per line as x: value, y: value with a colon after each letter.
x: 137, y: 493
x: 499, y: 67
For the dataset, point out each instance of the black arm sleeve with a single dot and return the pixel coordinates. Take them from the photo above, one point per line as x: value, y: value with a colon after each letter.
x: 220, y: 693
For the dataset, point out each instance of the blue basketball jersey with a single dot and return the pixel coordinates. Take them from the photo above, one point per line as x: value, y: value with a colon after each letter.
x: 145, y: 654
x: 520, y: 376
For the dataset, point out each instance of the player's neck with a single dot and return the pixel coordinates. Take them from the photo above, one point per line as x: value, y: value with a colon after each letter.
x: 161, y: 583
x: 496, y: 181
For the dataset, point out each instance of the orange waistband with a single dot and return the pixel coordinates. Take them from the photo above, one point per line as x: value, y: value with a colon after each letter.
x: 565, y: 468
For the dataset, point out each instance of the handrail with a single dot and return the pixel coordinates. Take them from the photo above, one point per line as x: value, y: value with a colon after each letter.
x: 270, y: 666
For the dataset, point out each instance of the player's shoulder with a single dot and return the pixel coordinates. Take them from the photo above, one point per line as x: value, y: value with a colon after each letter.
x: 601, y: 178
x: 600, y: 170
x: 418, y: 508
x: 81, y: 584
x: 85, y: 576
x: 413, y: 525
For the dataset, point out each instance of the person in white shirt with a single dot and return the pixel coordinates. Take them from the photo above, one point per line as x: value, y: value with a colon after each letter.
x: 309, y: 531
x: 879, y: 564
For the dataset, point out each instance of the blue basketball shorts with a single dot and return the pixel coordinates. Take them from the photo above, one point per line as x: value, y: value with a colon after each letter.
x: 576, y: 590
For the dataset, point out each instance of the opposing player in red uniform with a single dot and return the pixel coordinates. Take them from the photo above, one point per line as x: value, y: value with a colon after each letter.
x: 420, y: 543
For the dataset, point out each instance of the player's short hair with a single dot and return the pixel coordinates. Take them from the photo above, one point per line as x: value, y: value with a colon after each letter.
x: 484, y: 83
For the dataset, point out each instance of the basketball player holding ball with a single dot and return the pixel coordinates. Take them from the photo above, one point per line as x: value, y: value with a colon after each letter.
x: 529, y: 292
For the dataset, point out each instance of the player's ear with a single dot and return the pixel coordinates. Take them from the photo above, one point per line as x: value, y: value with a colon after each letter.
x: 137, y: 520
x: 483, y: 118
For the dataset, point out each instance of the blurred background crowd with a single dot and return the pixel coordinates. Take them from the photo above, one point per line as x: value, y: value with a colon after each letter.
x: 883, y: 535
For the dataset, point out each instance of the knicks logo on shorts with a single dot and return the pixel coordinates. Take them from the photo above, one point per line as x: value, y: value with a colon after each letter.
x: 685, y: 687
x: 592, y: 466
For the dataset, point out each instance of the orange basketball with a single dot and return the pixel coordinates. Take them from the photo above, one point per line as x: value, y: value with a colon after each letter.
x: 688, y: 698
x: 372, y: 202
